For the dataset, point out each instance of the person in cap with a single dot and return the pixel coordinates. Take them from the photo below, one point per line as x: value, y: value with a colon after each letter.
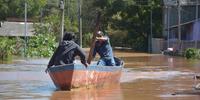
x: 104, y: 49
x: 67, y: 51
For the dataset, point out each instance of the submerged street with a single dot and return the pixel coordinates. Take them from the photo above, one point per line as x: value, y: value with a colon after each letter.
x: 145, y: 77
x: 35, y: 34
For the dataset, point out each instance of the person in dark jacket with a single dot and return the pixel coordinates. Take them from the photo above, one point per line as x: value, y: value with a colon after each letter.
x: 104, y: 49
x: 66, y: 52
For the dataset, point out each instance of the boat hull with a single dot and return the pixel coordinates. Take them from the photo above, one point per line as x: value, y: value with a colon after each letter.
x: 72, y: 76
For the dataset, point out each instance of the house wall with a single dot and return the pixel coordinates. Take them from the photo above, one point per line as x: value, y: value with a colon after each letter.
x: 16, y: 29
x: 188, y: 17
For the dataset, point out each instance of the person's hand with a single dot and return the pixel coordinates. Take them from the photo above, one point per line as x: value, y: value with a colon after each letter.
x: 46, y: 70
x: 89, y: 62
x: 86, y: 65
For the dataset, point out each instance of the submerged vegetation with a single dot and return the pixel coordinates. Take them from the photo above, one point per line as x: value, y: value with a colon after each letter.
x: 6, y: 47
x: 41, y: 45
x: 192, y: 53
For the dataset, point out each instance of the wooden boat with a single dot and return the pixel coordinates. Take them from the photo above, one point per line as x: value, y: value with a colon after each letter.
x: 72, y: 76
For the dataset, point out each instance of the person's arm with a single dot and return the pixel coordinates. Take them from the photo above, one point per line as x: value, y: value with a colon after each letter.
x: 51, y: 61
x: 103, y: 38
x: 82, y: 55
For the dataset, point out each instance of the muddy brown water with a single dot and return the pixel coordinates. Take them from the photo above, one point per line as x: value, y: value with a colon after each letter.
x: 145, y: 77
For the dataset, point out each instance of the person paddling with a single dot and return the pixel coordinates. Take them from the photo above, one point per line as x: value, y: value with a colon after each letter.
x: 104, y: 49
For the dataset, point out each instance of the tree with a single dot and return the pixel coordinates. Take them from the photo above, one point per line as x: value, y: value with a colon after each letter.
x: 15, y: 8
x: 132, y: 17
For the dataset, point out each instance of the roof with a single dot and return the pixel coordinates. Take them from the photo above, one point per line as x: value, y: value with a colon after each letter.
x: 16, y: 29
x: 14, y: 19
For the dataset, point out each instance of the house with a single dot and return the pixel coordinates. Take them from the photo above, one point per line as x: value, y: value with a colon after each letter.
x: 181, y: 21
x: 15, y: 28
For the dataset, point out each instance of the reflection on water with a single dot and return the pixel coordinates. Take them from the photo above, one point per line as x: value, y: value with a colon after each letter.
x: 145, y: 77
x: 130, y: 76
x: 108, y: 93
x: 28, y: 89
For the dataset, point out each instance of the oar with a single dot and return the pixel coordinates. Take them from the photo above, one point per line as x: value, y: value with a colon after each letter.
x: 94, y: 38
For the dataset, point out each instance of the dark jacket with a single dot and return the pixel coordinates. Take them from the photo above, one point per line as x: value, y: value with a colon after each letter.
x: 65, y: 54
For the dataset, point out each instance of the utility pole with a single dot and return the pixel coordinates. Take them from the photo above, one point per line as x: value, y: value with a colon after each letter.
x: 151, y: 37
x: 62, y: 8
x: 25, y: 31
x: 179, y: 25
x: 197, y: 10
x: 80, y: 21
x: 151, y: 26
x: 168, y: 25
x: 179, y: 20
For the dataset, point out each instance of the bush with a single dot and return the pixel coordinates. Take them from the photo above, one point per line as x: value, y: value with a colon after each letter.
x: 192, y: 53
x: 87, y: 39
x: 51, y: 24
x: 41, y: 45
x: 6, y: 47
x: 198, y: 54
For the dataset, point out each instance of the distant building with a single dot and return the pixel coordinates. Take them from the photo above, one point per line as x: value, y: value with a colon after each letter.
x: 181, y: 25
x: 15, y: 27
x: 182, y: 19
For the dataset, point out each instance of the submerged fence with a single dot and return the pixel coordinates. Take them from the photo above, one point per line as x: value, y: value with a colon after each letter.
x: 158, y: 45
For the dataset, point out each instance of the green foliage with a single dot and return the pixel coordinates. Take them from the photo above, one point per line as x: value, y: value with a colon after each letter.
x: 43, y: 43
x: 131, y: 16
x: 6, y: 47
x: 198, y: 54
x: 118, y: 38
x: 18, y: 46
x: 192, y: 53
x: 40, y: 45
x: 34, y: 6
x: 52, y: 23
x: 71, y: 26
x: 87, y: 39
x: 15, y: 8
x: 47, y: 32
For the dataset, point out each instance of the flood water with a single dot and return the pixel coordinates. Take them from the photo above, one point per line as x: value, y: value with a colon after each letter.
x: 145, y: 77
